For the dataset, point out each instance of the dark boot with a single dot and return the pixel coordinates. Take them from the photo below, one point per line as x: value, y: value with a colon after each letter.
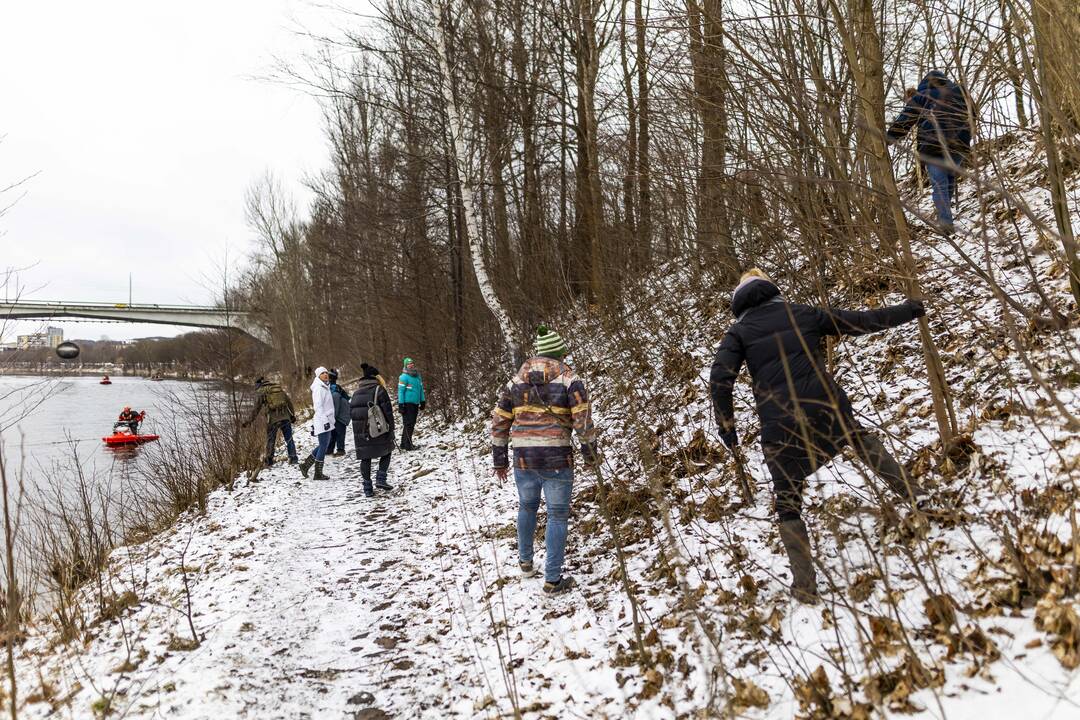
x: 559, y: 586
x: 380, y: 481
x: 306, y: 465
x: 797, y: 543
x: 319, y: 473
x: 365, y: 473
x: 873, y: 452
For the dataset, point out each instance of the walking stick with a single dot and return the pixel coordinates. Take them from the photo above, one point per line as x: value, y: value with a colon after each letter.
x: 746, y: 487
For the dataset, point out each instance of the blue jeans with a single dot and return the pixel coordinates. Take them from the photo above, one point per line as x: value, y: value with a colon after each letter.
x: 556, y: 485
x: 319, y: 453
x: 942, y: 175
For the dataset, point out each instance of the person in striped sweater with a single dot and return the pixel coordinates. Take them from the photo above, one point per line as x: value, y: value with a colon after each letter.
x: 539, y: 410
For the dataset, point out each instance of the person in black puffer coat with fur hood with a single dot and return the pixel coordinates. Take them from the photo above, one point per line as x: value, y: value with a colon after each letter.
x: 371, y: 393
x: 806, y: 418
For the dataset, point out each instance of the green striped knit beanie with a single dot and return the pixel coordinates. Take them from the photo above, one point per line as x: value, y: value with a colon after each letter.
x: 549, y: 344
x: 406, y: 362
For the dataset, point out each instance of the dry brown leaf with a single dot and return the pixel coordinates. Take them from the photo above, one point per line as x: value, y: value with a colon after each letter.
x: 748, y: 695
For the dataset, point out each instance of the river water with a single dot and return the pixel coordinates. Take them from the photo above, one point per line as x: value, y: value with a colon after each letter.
x: 66, y: 488
x: 45, y: 420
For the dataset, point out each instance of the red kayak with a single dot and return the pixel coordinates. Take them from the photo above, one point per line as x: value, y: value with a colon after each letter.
x: 106, y: 381
x: 120, y: 438
x: 123, y: 435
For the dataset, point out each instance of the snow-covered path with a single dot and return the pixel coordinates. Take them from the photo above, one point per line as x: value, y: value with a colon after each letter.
x: 311, y: 600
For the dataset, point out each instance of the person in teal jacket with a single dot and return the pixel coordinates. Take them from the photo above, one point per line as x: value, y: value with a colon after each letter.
x: 410, y: 398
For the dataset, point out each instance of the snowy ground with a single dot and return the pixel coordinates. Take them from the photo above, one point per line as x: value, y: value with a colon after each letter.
x: 310, y: 600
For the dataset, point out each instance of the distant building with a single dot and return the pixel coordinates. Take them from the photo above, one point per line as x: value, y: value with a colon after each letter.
x: 52, y: 337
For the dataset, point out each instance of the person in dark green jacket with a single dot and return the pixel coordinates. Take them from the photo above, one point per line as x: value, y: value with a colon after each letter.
x: 410, y: 397
x: 280, y: 415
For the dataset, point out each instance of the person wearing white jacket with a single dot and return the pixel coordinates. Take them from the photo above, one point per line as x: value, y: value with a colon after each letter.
x: 322, y: 402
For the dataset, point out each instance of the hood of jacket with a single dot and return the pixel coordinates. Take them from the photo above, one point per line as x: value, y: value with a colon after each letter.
x: 946, y: 88
x: 368, y: 381
x: 755, y: 291
x: 540, y: 370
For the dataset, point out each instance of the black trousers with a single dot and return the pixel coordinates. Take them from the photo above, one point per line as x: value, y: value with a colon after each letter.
x: 384, y: 466
x: 271, y: 439
x: 790, y: 465
x: 409, y: 413
x: 337, y: 440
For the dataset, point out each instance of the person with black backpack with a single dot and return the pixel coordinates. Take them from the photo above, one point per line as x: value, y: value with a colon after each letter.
x: 373, y: 428
x: 280, y: 416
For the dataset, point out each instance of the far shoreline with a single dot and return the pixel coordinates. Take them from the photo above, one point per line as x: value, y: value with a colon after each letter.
x: 99, y: 372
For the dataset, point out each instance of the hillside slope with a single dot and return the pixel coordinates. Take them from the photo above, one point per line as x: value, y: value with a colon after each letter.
x: 311, y: 601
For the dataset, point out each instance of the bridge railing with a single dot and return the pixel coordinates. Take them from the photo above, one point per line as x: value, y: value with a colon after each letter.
x: 54, y: 304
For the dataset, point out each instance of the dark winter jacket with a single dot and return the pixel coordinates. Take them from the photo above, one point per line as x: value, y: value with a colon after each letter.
x: 342, y: 412
x: 367, y: 392
x: 941, y: 114
x: 275, y: 401
x: 781, y: 345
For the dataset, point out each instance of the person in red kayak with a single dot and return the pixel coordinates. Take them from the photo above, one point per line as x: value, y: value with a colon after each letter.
x: 131, y: 418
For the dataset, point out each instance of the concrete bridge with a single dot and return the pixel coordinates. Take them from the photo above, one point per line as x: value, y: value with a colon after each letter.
x: 189, y: 315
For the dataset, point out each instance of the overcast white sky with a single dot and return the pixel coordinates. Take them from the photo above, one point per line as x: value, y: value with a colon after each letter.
x: 145, y: 125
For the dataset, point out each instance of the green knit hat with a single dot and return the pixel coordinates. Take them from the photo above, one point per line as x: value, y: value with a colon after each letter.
x: 549, y: 344
x: 405, y: 363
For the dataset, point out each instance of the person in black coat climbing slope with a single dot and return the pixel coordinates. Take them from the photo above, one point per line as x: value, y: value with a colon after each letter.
x: 371, y: 394
x: 806, y: 418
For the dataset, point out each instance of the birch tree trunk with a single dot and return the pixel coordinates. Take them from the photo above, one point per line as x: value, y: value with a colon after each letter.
x: 472, y: 224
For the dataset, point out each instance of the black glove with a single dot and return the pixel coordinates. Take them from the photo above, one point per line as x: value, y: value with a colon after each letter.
x: 730, y: 438
x: 422, y: 405
x: 918, y: 308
